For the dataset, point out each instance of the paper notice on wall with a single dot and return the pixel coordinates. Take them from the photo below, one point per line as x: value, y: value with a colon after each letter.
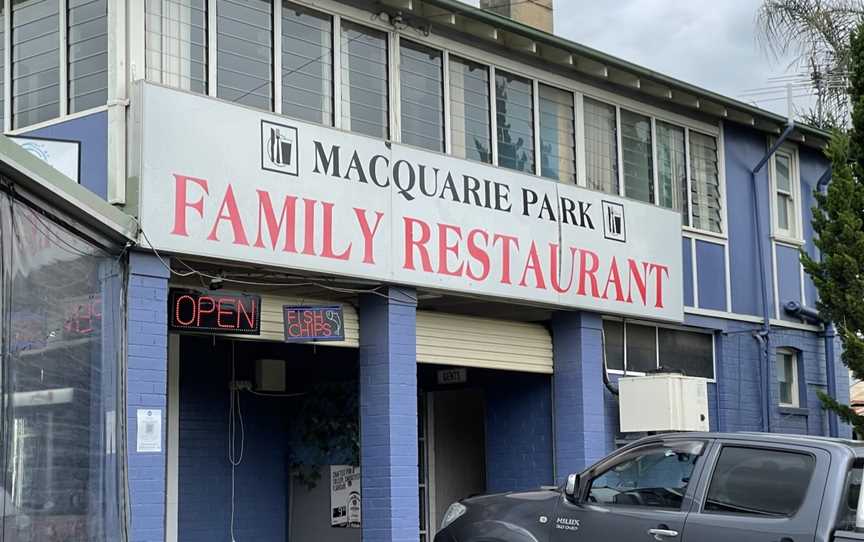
x: 344, y: 496
x: 149, y: 431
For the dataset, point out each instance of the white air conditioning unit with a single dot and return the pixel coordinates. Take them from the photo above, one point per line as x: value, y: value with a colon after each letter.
x: 663, y: 402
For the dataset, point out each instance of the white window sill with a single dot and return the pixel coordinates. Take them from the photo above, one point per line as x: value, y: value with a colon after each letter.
x: 787, y: 240
x: 703, y: 233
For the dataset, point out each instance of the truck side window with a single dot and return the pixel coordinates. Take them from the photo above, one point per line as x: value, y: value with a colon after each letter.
x: 849, y: 505
x: 655, y: 476
x: 760, y: 482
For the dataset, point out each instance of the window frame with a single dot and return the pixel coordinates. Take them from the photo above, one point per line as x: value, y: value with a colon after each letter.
x: 626, y: 454
x: 713, y: 458
x: 657, y: 328
x: 114, y: 79
x: 795, y: 384
x: 795, y: 234
x: 538, y: 76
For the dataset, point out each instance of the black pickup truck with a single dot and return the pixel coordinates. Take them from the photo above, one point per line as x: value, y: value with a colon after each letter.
x: 693, y: 487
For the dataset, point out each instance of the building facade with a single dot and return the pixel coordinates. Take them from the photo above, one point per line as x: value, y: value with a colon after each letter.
x: 393, y: 253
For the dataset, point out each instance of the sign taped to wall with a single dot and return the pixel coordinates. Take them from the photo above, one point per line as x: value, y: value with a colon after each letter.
x: 226, y: 182
x: 345, y: 496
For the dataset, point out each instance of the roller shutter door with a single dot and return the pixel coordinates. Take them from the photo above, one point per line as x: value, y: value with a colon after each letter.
x: 449, y: 339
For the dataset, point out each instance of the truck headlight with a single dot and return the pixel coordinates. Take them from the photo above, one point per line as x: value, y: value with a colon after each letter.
x: 454, y: 512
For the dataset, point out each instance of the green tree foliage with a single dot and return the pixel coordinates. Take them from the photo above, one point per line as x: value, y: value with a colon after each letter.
x: 838, y: 222
x: 814, y: 34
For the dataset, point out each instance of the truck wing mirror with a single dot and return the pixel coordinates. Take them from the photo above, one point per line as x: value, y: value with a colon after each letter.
x: 571, y: 488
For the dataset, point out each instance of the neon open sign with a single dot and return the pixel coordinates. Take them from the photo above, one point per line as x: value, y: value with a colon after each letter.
x: 313, y: 323
x: 222, y: 312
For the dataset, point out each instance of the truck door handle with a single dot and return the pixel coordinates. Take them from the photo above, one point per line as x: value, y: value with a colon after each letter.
x: 662, y: 534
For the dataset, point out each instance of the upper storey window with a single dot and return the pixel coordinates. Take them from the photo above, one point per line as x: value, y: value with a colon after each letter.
x: 601, y: 146
x: 470, y: 126
x: 175, y: 43
x: 785, y: 185
x: 244, y: 52
x: 421, y: 89
x: 363, y: 76
x: 514, y: 100
x: 307, y: 64
x: 557, y: 134
x: 365, y: 95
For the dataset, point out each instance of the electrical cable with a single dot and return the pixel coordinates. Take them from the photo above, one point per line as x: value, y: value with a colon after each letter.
x: 234, y: 413
x: 191, y: 271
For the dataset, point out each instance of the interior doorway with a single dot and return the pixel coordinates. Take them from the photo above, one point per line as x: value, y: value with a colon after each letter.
x: 455, y: 449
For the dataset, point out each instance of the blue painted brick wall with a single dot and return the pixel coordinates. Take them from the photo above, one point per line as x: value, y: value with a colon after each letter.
x: 146, y: 388
x: 584, y: 430
x: 261, y: 480
x: 739, y: 388
x: 518, y: 431
x: 388, y: 416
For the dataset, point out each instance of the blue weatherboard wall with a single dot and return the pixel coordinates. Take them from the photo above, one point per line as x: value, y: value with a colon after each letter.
x: 584, y: 426
x: 204, y: 472
x: 388, y: 416
x: 788, y: 277
x: 92, y: 132
x: 711, y: 266
x: 146, y: 388
x: 518, y: 431
x: 743, y: 149
x: 687, y: 270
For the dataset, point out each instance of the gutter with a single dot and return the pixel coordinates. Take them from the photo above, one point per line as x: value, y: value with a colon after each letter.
x: 509, y: 25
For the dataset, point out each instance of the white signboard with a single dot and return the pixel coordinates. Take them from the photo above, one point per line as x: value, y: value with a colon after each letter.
x: 62, y: 155
x: 224, y: 181
x: 149, y: 430
x: 344, y: 496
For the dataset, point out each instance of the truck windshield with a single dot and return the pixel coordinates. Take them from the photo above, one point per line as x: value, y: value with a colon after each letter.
x: 848, y: 506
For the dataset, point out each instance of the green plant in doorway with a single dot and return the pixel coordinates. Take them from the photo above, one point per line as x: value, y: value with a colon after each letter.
x: 329, y: 426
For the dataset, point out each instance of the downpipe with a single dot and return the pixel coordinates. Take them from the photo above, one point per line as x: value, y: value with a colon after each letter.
x: 763, y: 337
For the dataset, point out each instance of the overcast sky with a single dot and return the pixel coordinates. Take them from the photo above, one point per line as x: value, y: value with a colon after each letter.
x: 709, y: 43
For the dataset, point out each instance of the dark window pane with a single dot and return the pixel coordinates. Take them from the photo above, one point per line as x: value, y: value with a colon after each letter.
x: 244, y: 52
x: 307, y: 64
x: 601, y: 146
x: 613, y: 336
x: 470, y: 124
x: 422, y: 96
x: 705, y: 183
x: 88, y: 54
x: 692, y: 353
x: 364, y: 81
x: 759, y: 482
x: 515, y: 115
x: 638, y: 161
x: 35, y: 61
x: 641, y: 348
x: 652, y: 476
x: 557, y: 135
x: 672, y: 169
x: 175, y: 43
